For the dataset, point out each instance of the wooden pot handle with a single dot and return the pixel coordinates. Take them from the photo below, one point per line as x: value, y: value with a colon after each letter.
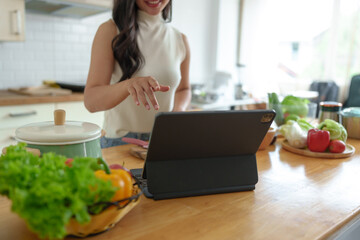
x: 59, y: 117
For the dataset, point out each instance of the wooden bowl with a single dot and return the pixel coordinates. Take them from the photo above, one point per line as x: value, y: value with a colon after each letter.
x: 268, y: 138
x: 104, y: 220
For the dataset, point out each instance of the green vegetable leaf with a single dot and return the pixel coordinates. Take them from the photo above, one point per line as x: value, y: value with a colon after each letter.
x: 47, y: 193
x: 274, y: 103
x: 295, y: 134
x: 295, y: 105
x: 304, y: 124
x: 337, y: 131
x: 292, y: 117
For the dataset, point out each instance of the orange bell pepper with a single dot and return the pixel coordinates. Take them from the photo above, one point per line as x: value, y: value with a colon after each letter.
x: 121, y: 179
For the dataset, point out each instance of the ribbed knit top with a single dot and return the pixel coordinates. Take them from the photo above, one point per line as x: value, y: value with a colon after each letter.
x: 163, y: 49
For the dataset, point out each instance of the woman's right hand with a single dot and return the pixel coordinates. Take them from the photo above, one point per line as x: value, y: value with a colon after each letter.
x: 139, y: 87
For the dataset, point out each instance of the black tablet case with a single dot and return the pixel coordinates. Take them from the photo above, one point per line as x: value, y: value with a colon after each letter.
x: 206, y: 152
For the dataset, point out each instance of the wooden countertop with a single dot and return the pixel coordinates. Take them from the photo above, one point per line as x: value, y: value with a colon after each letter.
x: 296, y: 198
x: 9, y: 99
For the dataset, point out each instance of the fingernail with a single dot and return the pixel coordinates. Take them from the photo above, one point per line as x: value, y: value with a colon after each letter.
x: 137, y: 103
x: 147, y: 107
x: 157, y: 107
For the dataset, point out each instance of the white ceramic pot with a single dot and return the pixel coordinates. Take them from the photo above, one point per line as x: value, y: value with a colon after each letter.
x: 68, y: 138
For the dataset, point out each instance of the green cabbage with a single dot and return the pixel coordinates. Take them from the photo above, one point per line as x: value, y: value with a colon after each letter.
x: 304, y: 124
x: 47, y: 193
x: 337, y: 131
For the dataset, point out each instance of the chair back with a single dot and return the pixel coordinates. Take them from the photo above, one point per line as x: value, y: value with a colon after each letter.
x: 328, y: 91
x: 353, y: 99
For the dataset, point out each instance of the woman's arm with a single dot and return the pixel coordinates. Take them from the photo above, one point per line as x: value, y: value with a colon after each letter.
x: 183, y: 92
x: 99, y: 94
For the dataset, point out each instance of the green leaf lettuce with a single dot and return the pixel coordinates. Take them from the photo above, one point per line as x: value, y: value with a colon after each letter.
x: 47, y: 193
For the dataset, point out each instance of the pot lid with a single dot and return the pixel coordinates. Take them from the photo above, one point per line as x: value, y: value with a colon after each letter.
x: 58, y: 132
x: 351, y: 112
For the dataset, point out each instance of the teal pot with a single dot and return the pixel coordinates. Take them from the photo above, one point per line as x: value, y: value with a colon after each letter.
x: 351, y: 121
x: 71, y: 139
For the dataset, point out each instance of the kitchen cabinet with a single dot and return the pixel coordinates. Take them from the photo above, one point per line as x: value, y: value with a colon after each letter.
x: 349, y: 232
x: 15, y: 116
x: 7, y: 137
x: 12, y: 117
x: 12, y: 19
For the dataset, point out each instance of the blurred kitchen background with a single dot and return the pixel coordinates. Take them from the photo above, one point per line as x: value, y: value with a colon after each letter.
x: 239, y: 48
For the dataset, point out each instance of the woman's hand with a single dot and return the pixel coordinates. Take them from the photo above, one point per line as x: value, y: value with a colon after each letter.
x: 139, y: 87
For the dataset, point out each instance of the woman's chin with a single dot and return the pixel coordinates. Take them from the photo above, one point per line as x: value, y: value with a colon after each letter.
x: 152, y: 12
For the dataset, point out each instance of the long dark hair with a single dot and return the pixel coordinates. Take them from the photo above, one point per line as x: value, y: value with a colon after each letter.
x: 124, y: 45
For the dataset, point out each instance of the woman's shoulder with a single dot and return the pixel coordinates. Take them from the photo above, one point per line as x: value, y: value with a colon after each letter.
x: 181, y: 40
x: 108, y: 28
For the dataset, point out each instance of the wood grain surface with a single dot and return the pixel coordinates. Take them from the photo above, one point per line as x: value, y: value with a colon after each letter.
x: 138, y: 152
x: 41, y: 91
x: 296, y: 197
x: 11, y: 99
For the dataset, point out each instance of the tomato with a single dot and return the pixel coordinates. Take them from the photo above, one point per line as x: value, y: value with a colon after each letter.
x: 318, y: 140
x: 337, y: 146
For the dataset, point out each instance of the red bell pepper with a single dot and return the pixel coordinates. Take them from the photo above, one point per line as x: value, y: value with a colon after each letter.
x: 318, y: 140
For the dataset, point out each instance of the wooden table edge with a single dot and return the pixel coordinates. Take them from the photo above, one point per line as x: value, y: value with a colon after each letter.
x: 332, y: 231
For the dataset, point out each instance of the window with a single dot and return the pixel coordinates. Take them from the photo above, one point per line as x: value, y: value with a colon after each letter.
x: 285, y: 45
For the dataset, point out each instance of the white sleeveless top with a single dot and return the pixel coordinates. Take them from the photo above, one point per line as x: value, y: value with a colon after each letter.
x: 163, y: 49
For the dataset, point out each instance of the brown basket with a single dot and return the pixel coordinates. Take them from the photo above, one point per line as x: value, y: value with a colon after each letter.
x: 105, y: 220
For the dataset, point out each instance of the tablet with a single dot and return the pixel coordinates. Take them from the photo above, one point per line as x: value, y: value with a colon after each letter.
x: 203, y: 152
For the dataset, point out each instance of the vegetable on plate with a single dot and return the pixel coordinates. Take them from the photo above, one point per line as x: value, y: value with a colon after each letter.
x: 337, y: 146
x: 296, y: 132
x: 337, y: 131
x: 318, y: 140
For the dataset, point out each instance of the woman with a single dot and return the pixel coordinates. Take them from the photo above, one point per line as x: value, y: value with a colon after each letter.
x: 139, y: 66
